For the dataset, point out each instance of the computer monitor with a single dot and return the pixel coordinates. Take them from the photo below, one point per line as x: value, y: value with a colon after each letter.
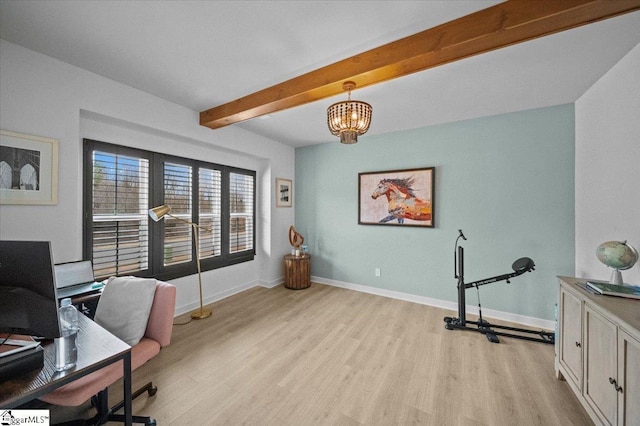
x: 28, y: 302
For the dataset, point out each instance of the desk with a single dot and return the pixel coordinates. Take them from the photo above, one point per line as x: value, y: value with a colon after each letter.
x: 97, y: 348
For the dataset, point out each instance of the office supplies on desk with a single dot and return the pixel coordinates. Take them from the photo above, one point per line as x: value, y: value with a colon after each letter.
x: 18, y: 355
x: 13, y: 344
x: 20, y: 363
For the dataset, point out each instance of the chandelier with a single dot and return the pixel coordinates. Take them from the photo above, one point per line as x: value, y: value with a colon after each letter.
x: 348, y: 119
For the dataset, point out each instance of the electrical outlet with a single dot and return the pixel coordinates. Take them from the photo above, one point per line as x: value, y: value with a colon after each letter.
x: 377, y: 272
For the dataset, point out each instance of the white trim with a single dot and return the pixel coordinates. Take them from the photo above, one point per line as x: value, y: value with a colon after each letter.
x: 215, y: 297
x: 272, y: 283
x: 444, y: 304
x: 422, y: 300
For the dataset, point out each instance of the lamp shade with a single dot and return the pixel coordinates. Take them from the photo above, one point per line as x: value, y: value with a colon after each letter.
x: 159, y: 212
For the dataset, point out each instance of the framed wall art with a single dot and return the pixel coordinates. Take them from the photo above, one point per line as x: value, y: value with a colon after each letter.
x: 28, y: 169
x: 284, y: 192
x: 397, y: 197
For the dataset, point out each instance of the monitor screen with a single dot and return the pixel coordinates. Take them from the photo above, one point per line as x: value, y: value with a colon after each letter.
x: 28, y: 302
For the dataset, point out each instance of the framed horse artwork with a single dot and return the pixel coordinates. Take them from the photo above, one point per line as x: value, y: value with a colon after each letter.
x: 397, y: 197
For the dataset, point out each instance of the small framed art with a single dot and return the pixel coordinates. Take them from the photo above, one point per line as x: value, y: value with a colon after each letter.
x: 284, y: 192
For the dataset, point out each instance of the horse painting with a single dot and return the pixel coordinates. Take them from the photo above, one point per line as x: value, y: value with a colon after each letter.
x: 403, y: 203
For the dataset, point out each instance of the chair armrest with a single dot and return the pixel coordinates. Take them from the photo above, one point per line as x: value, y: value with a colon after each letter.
x: 160, y: 324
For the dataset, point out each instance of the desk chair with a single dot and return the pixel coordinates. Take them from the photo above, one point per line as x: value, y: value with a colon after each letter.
x: 95, y: 385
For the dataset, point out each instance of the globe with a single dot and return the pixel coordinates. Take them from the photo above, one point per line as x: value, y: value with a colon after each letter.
x: 617, y: 255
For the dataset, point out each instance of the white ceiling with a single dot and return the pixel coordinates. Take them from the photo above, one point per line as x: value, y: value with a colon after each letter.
x: 201, y: 54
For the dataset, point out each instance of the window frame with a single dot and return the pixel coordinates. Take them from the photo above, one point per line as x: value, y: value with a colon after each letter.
x: 156, y: 197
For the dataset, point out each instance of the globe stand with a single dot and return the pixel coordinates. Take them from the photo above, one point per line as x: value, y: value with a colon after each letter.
x: 616, y: 277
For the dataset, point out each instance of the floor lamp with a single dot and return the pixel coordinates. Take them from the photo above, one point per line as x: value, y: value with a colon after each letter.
x: 160, y: 212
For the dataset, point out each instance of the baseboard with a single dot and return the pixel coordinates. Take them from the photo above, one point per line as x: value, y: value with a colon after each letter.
x: 215, y: 297
x: 444, y: 304
x: 422, y: 300
x: 272, y: 283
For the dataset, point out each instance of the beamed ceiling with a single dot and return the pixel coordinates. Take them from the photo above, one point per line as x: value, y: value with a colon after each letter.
x: 273, y: 67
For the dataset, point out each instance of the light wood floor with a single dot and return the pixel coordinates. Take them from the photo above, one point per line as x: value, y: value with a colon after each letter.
x: 331, y: 356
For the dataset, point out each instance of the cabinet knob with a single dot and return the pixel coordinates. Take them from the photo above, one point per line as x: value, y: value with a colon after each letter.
x: 578, y: 344
x: 615, y: 384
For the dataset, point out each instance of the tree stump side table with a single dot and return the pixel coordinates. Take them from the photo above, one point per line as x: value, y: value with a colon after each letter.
x: 297, y: 271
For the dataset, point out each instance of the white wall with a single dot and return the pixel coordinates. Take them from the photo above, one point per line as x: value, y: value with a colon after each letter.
x: 608, y: 166
x: 45, y: 97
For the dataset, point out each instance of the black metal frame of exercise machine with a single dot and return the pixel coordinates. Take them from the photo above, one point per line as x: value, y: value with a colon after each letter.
x: 520, y: 266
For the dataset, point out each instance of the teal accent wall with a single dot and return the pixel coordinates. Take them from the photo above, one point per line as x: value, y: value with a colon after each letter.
x: 507, y: 181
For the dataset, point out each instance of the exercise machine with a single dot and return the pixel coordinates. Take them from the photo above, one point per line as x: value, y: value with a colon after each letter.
x: 520, y: 266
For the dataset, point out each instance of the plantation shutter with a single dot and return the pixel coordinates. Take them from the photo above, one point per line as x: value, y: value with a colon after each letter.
x: 121, y: 183
x: 209, y: 216
x: 241, y: 210
x: 177, y: 230
x: 120, y: 200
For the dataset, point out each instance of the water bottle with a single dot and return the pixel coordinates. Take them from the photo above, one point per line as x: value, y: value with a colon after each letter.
x: 66, y: 350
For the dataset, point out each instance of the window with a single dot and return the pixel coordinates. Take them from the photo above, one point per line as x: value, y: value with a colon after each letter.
x: 241, y: 212
x: 121, y: 184
x: 210, y: 212
x: 177, y: 236
x: 119, y: 228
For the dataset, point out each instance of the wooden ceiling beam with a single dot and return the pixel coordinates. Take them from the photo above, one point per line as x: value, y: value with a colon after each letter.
x: 505, y: 24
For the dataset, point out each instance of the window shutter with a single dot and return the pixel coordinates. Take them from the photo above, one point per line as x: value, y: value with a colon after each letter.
x: 119, y: 184
x: 177, y: 195
x: 209, y: 217
x: 241, y: 200
x: 120, y: 228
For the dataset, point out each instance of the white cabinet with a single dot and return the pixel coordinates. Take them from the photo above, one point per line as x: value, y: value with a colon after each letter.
x: 599, y: 352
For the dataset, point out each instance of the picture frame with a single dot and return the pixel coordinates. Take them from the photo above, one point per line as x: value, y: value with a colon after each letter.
x: 397, y: 198
x: 28, y: 169
x: 284, y: 192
